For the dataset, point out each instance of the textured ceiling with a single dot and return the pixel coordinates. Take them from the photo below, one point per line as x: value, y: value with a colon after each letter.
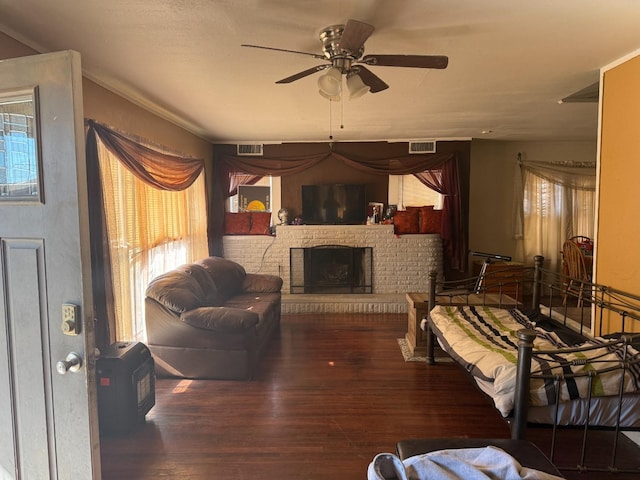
x: 510, y: 62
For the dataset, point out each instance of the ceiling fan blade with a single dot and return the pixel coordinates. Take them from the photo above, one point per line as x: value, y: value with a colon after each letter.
x: 303, y: 74
x: 314, y: 55
x: 370, y: 79
x: 354, y: 35
x: 415, y: 61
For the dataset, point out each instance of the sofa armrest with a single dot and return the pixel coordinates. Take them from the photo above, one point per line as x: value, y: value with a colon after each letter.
x: 221, y: 319
x: 261, y: 283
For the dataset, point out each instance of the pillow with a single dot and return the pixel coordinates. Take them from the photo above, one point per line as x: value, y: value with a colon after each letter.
x: 406, y: 221
x: 260, y: 223
x: 237, y: 223
x: 227, y: 276
x: 431, y: 221
x: 177, y: 290
x: 422, y: 211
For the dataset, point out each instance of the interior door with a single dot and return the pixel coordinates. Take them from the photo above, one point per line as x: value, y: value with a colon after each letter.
x: 48, y: 407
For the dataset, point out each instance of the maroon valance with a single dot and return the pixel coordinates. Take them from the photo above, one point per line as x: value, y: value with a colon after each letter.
x: 282, y: 166
x: 159, y: 170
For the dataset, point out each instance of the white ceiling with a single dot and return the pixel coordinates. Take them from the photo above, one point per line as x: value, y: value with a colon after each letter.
x: 510, y: 61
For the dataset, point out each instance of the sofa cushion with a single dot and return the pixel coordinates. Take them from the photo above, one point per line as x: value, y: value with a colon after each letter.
x: 265, y: 305
x: 221, y: 319
x: 200, y: 274
x: 227, y: 276
x: 261, y: 283
x: 180, y: 290
x: 259, y: 303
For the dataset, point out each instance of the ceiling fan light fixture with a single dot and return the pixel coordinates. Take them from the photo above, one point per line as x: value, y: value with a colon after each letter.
x: 333, y: 98
x: 330, y: 84
x: 356, y: 86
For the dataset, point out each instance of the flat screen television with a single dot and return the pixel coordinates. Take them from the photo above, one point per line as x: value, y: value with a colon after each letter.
x: 334, y: 204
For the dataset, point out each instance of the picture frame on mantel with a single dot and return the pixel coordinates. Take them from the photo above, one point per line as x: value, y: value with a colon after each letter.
x: 374, y: 212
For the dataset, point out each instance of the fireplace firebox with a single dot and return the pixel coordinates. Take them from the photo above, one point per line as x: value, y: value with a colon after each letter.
x: 330, y: 269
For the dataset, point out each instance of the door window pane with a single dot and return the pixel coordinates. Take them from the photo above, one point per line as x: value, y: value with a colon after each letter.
x: 19, y: 163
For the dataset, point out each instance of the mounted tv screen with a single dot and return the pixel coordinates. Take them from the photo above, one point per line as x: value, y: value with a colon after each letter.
x: 335, y: 204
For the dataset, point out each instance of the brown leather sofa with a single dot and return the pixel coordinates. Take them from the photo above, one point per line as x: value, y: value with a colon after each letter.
x: 211, y: 319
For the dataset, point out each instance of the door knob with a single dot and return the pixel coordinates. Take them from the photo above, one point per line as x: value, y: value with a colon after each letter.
x: 72, y: 363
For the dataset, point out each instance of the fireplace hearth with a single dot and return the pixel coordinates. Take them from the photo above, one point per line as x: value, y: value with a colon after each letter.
x: 330, y: 269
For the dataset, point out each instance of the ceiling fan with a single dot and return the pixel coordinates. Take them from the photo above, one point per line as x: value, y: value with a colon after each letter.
x: 343, y: 47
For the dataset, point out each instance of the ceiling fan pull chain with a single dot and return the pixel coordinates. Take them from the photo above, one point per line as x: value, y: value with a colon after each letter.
x: 330, y: 122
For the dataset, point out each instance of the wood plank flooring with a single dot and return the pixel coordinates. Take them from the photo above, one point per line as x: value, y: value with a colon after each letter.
x: 333, y: 392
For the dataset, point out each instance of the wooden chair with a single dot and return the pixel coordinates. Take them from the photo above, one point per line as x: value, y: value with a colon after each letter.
x: 585, y: 243
x: 575, y: 268
x: 579, y: 239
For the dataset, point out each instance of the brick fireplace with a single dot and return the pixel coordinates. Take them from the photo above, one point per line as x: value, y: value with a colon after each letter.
x: 400, y: 264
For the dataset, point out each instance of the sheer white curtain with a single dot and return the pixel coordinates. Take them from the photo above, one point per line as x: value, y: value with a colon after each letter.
x: 150, y: 232
x: 554, y: 201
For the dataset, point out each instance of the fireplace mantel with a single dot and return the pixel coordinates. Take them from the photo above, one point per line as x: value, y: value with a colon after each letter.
x: 401, y: 263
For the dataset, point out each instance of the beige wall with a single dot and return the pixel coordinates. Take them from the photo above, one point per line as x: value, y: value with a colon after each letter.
x: 618, y: 229
x: 10, y: 48
x: 104, y: 106
x: 493, y: 169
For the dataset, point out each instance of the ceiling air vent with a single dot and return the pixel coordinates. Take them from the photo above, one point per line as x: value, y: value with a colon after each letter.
x: 250, y: 149
x: 422, y: 146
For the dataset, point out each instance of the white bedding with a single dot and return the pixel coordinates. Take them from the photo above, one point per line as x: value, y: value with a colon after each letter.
x: 454, y: 464
x: 483, y: 340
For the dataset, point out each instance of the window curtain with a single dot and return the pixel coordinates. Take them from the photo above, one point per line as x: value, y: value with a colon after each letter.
x: 454, y: 236
x: 149, y: 216
x: 447, y: 182
x: 554, y: 201
x: 238, y: 179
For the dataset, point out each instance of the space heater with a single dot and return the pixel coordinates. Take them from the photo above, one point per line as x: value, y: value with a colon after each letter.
x: 126, y: 386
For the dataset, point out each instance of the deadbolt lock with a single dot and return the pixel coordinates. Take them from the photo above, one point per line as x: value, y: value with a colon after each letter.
x: 70, y: 319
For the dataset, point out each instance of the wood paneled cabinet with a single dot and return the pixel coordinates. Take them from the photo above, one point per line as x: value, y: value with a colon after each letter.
x: 502, y: 276
x: 418, y: 309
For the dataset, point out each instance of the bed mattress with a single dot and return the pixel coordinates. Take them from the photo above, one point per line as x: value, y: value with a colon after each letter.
x: 483, y: 340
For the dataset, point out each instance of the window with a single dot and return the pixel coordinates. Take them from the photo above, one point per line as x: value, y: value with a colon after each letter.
x: 241, y: 201
x: 18, y: 156
x: 150, y: 232
x: 555, y: 206
x: 407, y: 190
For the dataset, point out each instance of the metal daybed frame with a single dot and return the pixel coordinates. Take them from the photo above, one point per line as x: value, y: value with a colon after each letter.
x: 551, y: 298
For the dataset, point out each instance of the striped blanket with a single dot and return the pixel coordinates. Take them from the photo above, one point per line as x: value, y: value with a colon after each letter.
x: 483, y: 340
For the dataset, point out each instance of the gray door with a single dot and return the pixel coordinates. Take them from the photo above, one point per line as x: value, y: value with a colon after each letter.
x: 48, y: 413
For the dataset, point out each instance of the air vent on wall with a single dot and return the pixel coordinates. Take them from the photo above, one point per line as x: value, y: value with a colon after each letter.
x: 422, y: 146
x: 251, y: 149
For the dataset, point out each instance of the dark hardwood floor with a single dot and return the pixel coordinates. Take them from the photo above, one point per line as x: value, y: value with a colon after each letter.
x: 333, y: 392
